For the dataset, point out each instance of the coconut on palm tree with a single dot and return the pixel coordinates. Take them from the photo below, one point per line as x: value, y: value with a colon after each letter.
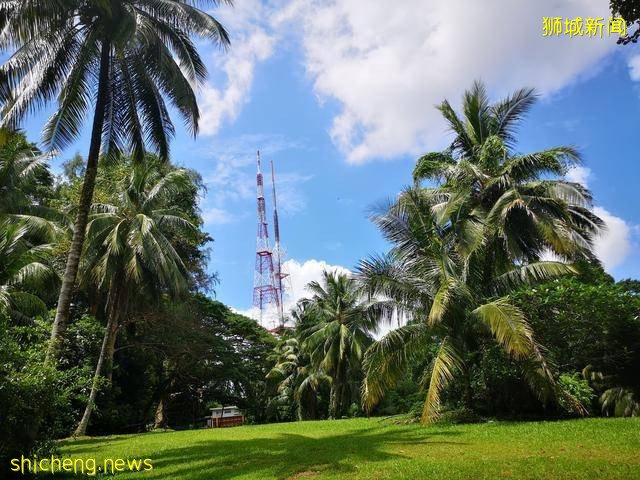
x: 124, y: 58
x: 130, y: 251
x: 461, y: 246
x: 336, y: 331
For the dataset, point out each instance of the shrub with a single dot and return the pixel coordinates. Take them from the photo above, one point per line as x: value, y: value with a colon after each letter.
x: 578, y: 388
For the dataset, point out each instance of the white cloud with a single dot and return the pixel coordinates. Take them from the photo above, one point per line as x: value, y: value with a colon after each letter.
x: 579, y: 174
x: 216, y: 216
x: 388, y: 65
x: 300, y: 275
x: 634, y: 67
x: 231, y: 182
x: 251, y: 43
x: 613, y: 246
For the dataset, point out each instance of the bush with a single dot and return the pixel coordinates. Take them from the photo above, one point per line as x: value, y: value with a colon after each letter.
x: 578, y: 388
x: 27, y: 396
x: 460, y: 415
x: 37, y: 403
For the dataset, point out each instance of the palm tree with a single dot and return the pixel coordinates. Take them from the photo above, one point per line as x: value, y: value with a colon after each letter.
x: 23, y: 172
x: 25, y: 273
x: 482, y: 182
x: 297, y: 383
x: 132, y: 54
x: 130, y: 251
x: 336, y: 331
x: 460, y: 247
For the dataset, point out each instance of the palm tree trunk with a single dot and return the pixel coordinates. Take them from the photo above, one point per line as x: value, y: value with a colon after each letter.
x: 335, y: 397
x: 86, y: 197
x: 106, y: 355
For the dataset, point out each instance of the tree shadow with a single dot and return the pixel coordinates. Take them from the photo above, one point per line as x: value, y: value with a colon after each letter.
x: 90, y: 442
x: 286, y: 455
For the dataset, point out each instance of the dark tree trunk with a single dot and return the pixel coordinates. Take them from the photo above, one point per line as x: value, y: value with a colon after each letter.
x: 86, y: 197
x: 337, y: 391
x: 106, y: 357
x: 161, y: 420
x: 467, y: 396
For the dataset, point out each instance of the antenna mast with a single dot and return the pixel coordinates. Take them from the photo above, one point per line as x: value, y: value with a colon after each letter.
x: 280, y: 275
x: 265, y: 280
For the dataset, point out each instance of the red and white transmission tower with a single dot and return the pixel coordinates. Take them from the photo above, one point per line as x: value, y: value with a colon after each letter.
x: 281, y: 276
x: 268, y: 276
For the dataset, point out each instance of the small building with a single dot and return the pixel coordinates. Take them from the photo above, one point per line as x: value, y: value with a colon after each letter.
x: 225, y: 417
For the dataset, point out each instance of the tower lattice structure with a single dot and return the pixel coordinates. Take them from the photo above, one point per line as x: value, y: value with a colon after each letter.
x: 265, y: 290
x: 281, y: 277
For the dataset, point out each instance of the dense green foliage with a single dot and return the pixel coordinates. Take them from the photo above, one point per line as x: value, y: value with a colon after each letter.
x: 459, y: 248
x: 591, y: 325
x: 172, y: 352
x: 127, y: 59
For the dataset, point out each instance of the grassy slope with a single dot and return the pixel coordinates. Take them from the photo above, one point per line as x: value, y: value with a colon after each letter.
x: 371, y: 450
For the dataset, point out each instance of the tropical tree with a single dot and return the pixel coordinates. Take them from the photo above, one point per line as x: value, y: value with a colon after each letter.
x: 25, y: 273
x: 505, y: 199
x: 460, y: 247
x: 130, y: 251
x: 24, y: 179
x: 296, y: 382
x: 132, y: 53
x: 26, y: 276
x: 336, y: 331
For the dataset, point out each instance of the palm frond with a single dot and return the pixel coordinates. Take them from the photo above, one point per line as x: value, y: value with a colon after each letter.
x: 445, y: 365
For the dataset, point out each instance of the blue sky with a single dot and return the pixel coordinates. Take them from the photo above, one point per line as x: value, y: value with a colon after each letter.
x: 340, y: 95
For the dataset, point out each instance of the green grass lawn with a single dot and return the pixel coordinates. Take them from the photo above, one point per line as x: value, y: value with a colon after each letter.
x: 372, y: 449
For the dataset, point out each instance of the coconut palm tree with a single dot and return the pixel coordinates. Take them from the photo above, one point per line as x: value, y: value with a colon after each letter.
x: 130, y: 251
x: 124, y: 57
x: 297, y: 383
x: 429, y: 284
x: 25, y: 273
x: 482, y: 182
x: 337, y: 330
x: 461, y: 246
x: 23, y: 171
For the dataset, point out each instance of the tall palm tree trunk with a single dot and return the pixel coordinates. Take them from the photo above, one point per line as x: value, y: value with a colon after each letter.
x: 106, y: 356
x: 337, y: 391
x: 86, y: 197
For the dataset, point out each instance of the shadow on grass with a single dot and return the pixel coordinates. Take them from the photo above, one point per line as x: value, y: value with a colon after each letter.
x: 101, y: 440
x: 286, y: 455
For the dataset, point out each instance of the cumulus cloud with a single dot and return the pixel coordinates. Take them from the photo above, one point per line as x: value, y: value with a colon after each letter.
x: 579, y: 174
x: 300, y: 275
x: 387, y: 66
x: 613, y: 246
x: 252, y: 43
